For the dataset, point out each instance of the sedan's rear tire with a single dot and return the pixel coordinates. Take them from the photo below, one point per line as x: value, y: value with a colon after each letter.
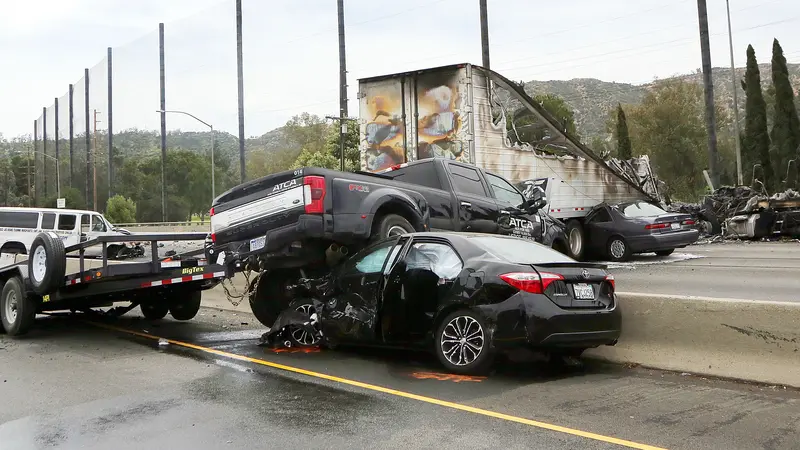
x: 665, y: 252
x: 617, y: 249
x: 463, y: 343
x: 575, y: 240
x: 187, y: 309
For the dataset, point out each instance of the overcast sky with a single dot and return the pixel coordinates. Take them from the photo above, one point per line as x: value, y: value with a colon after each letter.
x: 291, y: 50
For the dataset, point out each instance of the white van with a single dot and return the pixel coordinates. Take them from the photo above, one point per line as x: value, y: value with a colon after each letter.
x: 19, y: 227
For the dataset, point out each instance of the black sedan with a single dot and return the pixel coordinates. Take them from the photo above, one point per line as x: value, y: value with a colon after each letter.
x: 465, y: 296
x: 618, y: 231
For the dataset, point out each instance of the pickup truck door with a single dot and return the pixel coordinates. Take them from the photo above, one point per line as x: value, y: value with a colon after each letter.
x: 477, y: 211
x: 509, y: 199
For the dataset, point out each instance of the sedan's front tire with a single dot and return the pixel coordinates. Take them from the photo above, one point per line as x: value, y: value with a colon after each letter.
x: 463, y: 343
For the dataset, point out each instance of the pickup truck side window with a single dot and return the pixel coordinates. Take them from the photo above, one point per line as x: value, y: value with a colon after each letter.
x: 423, y: 174
x: 504, y: 191
x: 466, y: 180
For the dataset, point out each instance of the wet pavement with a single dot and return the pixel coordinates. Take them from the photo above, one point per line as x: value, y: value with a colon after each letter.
x: 72, y: 384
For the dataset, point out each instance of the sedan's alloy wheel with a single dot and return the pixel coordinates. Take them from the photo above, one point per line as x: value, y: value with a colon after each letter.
x: 462, y: 340
x: 299, y: 334
x: 617, y: 249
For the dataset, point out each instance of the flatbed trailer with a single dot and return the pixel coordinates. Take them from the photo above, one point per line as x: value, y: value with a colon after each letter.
x: 40, y: 283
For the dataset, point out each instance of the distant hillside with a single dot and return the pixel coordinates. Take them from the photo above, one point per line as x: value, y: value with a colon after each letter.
x: 592, y: 98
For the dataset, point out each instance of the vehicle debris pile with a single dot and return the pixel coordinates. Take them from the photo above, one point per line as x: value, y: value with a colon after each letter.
x: 740, y: 212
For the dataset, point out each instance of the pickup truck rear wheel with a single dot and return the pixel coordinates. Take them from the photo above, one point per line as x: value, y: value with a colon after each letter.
x: 270, y: 297
x: 391, y: 225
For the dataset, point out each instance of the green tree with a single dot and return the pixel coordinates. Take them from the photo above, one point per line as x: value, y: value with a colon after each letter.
x: 330, y: 158
x: 73, y: 199
x: 120, y: 210
x: 755, y: 145
x: 669, y: 127
x: 786, y: 124
x: 624, y: 150
x: 307, y: 131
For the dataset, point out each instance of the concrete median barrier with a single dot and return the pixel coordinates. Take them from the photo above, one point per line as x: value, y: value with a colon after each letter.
x: 749, y: 340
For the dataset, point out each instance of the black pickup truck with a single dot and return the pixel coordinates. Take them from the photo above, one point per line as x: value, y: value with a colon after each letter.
x: 307, y: 219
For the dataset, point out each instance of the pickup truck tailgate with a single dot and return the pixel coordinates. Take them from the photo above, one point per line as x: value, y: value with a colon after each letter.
x: 258, y: 209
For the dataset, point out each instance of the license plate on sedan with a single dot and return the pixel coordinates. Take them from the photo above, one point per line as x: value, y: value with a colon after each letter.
x: 675, y: 226
x: 258, y: 243
x: 583, y: 291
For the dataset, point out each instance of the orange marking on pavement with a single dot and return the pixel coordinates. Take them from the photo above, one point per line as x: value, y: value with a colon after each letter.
x: 446, y: 377
x: 295, y: 350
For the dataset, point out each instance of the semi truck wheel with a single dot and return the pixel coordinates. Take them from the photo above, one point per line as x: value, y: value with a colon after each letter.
x: 575, y: 240
x: 188, y: 308
x: 17, y: 311
x: 47, y: 263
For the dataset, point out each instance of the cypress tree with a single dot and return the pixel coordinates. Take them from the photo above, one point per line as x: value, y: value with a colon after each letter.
x: 624, y: 149
x: 786, y: 125
x: 755, y: 145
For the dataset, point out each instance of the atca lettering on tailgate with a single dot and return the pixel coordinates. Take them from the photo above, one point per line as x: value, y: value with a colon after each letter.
x: 284, y: 185
x: 359, y: 188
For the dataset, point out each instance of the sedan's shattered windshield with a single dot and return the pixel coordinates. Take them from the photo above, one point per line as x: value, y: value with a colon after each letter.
x: 641, y: 209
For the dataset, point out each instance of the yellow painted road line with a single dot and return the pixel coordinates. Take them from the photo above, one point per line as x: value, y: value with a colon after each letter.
x: 385, y: 390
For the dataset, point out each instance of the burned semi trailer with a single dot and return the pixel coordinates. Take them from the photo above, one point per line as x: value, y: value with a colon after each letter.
x: 463, y: 112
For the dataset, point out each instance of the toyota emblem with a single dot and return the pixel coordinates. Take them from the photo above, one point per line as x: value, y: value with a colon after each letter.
x: 585, y: 273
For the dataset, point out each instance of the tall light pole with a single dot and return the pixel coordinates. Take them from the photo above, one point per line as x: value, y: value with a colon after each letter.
x: 735, y: 102
x: 484, y: 34
x: 211, y: 127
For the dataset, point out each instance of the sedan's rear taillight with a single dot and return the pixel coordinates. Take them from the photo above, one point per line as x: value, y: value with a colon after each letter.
x: 314, y: 194
x: 688, y: 222
x: 535, y: 283
x: 656, y: 226
x: 610, y: 279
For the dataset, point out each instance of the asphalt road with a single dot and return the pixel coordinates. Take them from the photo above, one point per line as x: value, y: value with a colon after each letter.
x: 740, y: 270
x: 70, y: 384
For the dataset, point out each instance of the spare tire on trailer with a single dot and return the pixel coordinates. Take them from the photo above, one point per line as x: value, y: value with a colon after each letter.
x: 47, y: 263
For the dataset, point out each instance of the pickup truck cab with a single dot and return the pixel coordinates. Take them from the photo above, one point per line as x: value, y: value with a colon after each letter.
x: 299, y: 223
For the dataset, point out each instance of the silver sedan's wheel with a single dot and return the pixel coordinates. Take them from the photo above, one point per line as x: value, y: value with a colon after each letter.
x: 462, y: 340
x: 617, y: 249
x: 300, y: 335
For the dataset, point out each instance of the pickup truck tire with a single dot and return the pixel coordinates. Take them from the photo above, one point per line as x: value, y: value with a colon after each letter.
x: 575, y: 240
x: 17, y: 310
x: 187, y: 308
x: 47, y: 263
x: 391, y: 225
x: 270, y: 297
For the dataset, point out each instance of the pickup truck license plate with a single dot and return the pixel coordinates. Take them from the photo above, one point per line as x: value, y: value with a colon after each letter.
x: 675, y: 226
x: 583, y: 291
x: 258, y: 243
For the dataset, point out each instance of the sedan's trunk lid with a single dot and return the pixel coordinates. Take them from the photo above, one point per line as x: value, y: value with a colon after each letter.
x: 577, y: 285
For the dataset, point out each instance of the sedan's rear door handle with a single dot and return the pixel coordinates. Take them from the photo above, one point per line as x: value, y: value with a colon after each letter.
x: 466, y: 205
